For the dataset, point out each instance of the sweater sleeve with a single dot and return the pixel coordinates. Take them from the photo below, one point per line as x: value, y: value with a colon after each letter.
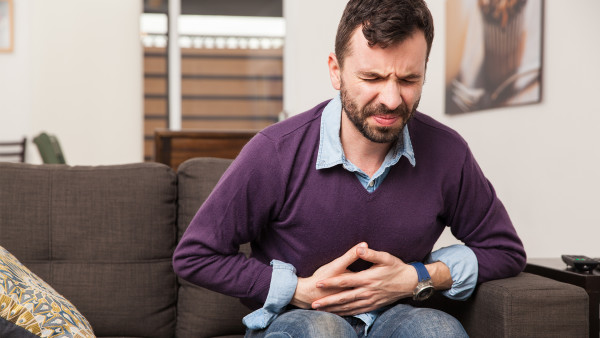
x: 482, y: 223
x: 248, y: 195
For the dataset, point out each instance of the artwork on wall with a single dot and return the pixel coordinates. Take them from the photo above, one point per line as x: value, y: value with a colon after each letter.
x: 493, y: 54
x: 6, y: 25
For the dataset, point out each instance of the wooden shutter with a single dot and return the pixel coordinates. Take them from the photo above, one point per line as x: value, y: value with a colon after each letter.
x: 222, y: 89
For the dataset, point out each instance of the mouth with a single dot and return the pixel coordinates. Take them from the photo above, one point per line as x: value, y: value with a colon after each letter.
x: 386, y: 120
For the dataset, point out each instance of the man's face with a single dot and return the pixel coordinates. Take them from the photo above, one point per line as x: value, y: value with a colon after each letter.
x: 385, y: 129
x: 381, y: 88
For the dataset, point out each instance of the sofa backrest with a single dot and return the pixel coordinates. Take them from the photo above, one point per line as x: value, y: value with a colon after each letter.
x: 103, y: 237
x: 200, y: 312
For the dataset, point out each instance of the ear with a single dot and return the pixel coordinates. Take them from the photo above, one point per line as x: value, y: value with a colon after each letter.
x: 334, y: 71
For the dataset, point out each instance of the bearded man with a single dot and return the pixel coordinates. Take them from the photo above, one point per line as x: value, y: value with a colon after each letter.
x: 343, y: 204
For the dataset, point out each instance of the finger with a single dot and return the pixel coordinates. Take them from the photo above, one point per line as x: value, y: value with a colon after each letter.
x: 352, y: 296
x: 343, y: 307
x: 351, y: 256
x: 352, y: 309
x: 336, y: 301
x: 376, y: 257
x: 344, y: 281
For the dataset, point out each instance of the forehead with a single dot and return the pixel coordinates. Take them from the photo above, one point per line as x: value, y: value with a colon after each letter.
x: 408, y: 53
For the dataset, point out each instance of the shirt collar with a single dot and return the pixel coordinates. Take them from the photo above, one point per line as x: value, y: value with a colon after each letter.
x: 331, y: 152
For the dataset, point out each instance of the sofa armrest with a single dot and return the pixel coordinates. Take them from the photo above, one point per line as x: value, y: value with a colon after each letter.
x: 523, y: 306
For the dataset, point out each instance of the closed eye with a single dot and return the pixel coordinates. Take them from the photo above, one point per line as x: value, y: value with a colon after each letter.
x: 409, y: 82
x: 369, y: 76
x: 411, y: 79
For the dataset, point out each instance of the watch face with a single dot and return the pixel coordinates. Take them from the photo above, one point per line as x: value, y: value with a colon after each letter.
x: 424, y: 293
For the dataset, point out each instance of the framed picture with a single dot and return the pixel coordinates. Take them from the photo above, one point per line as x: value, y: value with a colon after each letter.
x: 493, y: 54
x: 6, y: 25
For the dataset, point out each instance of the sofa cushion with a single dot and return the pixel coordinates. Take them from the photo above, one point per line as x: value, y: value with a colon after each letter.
x: 101, y: 236
x: 201, y: 312
x: 526, y: 305
x: 29, y: 306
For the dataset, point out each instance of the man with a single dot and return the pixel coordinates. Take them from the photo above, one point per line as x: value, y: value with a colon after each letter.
x: 342, y: 204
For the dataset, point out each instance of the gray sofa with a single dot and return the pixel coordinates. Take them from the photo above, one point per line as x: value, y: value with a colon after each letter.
x: 103, y: 237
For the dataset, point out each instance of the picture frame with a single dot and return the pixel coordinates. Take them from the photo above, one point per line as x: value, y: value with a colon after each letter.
x: 6, y: 26
x: 494, y: 54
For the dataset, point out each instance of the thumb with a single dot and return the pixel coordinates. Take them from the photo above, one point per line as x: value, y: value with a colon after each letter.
x: 375, y: 257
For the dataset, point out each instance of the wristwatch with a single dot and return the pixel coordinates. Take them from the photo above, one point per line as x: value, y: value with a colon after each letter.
x: 424, y: 289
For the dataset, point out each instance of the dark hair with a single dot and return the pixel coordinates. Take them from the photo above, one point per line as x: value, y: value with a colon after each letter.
x: 384, y: 23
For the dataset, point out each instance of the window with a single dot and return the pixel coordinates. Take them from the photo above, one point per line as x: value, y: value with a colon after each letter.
x: 231, y: 65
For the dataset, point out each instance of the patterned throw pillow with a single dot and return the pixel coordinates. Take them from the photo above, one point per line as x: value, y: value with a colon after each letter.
x: 28, y: 304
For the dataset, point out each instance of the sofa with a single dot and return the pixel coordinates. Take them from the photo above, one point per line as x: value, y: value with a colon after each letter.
x: 102, y: 237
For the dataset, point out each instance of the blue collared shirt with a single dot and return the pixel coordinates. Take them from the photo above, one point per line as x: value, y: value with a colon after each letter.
x: 460, y: 259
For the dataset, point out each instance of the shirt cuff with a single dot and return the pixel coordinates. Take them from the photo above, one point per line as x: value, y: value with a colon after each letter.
x: 464, y: 268
x: 281, y: 291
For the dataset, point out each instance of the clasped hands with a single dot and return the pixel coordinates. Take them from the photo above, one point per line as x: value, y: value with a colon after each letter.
x: 333, y: 288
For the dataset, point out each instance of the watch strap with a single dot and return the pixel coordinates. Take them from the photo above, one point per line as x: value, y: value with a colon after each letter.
x: 422, y: 272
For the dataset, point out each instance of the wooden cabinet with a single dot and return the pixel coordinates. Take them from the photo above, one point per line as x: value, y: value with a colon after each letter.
x: 175, y: 147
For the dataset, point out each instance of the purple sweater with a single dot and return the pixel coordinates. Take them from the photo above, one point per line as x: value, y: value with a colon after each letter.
x: 273, y: 196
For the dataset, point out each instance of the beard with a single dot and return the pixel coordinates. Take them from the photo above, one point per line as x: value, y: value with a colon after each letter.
x: 378, y: 134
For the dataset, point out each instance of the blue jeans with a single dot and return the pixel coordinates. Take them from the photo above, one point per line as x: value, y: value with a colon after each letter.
x: 401, y: 320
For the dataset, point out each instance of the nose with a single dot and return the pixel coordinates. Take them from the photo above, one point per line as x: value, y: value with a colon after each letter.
x: 389, y: 95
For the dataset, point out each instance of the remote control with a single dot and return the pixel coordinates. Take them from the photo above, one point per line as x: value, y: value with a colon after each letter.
x: 580, y: 263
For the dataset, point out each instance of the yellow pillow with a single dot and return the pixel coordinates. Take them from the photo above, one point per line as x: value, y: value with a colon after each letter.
x: 29, y: 303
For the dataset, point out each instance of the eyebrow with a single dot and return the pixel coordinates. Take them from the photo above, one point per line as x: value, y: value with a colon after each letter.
x: 411, y: 76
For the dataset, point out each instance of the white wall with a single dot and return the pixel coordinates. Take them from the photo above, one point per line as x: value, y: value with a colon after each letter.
x: 543, y: 159
x: 76, y: 72
x: 15, y: 78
